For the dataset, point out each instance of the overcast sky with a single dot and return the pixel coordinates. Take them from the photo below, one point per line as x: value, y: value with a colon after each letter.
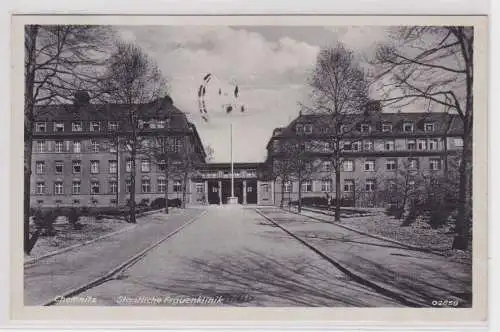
x: 269, y: 64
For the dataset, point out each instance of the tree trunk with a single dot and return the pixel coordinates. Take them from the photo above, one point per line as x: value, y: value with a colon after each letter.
x: 132, y: 184
x: 184, y: 189
x: 337, y: 193
x: 299, y: 203
x: 27, y: 193
x: 282, y: 194
x: 464, y: 196
x: 166, y: 189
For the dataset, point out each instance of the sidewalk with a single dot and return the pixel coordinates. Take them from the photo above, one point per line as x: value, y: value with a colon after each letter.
x: 419, y: 276
x: 60, y: 273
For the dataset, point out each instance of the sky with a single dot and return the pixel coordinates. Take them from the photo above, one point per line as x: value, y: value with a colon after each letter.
x: 270, y: 65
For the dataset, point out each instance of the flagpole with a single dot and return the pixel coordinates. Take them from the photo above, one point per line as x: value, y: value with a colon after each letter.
x: 232, y: 165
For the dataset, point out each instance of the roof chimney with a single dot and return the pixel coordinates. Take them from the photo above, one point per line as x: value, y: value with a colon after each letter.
x: 81, y: 98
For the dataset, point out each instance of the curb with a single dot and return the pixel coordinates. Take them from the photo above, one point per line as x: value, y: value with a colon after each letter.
x: 128, y: 263
x: 378, y: 237
x: 33, y: 260
x: 355, y: 277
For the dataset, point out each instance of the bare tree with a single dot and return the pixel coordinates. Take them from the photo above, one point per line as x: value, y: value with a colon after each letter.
x: 340, y: 89
x: 435, y: 64
x: 59, y: 60
x: 283, y: 169
x: 134, y: 80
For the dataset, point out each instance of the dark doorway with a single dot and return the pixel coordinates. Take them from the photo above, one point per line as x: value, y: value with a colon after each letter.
x: 226, y: 190
x: 252, y: 192
x: 213, y: 192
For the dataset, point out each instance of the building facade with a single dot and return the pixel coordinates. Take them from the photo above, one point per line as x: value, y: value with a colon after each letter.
x: 81, y: 154
x: 373, y: 148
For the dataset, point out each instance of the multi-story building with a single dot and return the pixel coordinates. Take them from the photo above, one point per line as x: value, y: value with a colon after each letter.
x: 372, y: 147
x: 80, y: 154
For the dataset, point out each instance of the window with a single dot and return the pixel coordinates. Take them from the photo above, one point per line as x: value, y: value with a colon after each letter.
x: 251, y: 173
x: 145, y: 185
x: 386, y: 127
x: 325, y: 146
x: 368, y: 145
x: 162, y: 185
x: 326, y: 166
x: 40, y: 187
x: 177, y: 144
x: 58, y: 127
x: 40, y: 146
x: 113, y: 201
x: 408, y: 127
x: 344, y: 128
x: 162, y: 166
x: 308, y: 129
x: 429, y: 127
x: 41, y: 127
x: 347, y: 146
x: 435, y: 164
x: 421, y: 144
x: 370, y: 185
x: 112, y: 146
x: 389, y: 145
x: 76, y: 187
x: 94, y: 166
x: 326, y: 185
x: 77, y: 166
x: 77, y: 147
x: 95, y: 126
x: 113, y: 186
x: 177, y: 186
x: 370, y: 166
x: 306, y: 186
x: 348, y: 165
x: 299, y: 129
x: 95, y: 187
x: 40, y: 167
x: 287, y: 186
x: 459, y: 142
x: 76, y: 126
x: 128, y: 185
x: 76, y: 201
x: 411, y: 185
x: 410, y: 144
x: 356, y: 146
x: 264, y: 187
x: 128, y: 165
x: 58, y: 188
x: 113, y: 166
x: 391, y: 164
x: 59, y: 146
x: 160, y: 124
x: 94, y: 146
x: 433, y: 144
x: 199, y: 187
x: 365, y: 128
x: 412, y: 163
x: 348, y: 186
x: 59, y: 166
x: 145, y: 166
x: 112, y: 125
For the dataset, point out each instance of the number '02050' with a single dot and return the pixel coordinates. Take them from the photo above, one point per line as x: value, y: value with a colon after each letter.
x: 443, y: 303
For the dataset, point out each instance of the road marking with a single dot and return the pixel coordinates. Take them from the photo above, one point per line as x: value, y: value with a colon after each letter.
x: 353, y: 276
x: 128, y: 263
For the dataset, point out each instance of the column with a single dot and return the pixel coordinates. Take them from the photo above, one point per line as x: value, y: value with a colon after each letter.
x: 206, y: 192
x: 220, y: 192
x: 244, y: 192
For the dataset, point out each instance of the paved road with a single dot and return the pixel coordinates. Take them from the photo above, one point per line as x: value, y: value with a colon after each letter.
x: 233, y: 256
x: 59, y: 274
x: 419, y: 276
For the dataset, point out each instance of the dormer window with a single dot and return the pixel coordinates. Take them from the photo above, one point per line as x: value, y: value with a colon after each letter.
x: 58, y: 127
x: 95, y: 126
x: 160, y: 124
x: 113, y: 125
x: 429, y: 127
x: 308, y: 129
x: 365, y: 128
x: 299, y: 129
x: 408, y: 127
x: 41, y: 127
x: 386, y: 127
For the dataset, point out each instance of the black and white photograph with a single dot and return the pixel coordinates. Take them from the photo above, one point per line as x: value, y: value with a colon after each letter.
x: 249, y: 165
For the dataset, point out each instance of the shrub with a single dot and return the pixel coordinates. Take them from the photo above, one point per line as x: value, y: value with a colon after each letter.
x: 158, y: 203
x: 176, y: 202
x: 44, y: 221
x: 73, y: 215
